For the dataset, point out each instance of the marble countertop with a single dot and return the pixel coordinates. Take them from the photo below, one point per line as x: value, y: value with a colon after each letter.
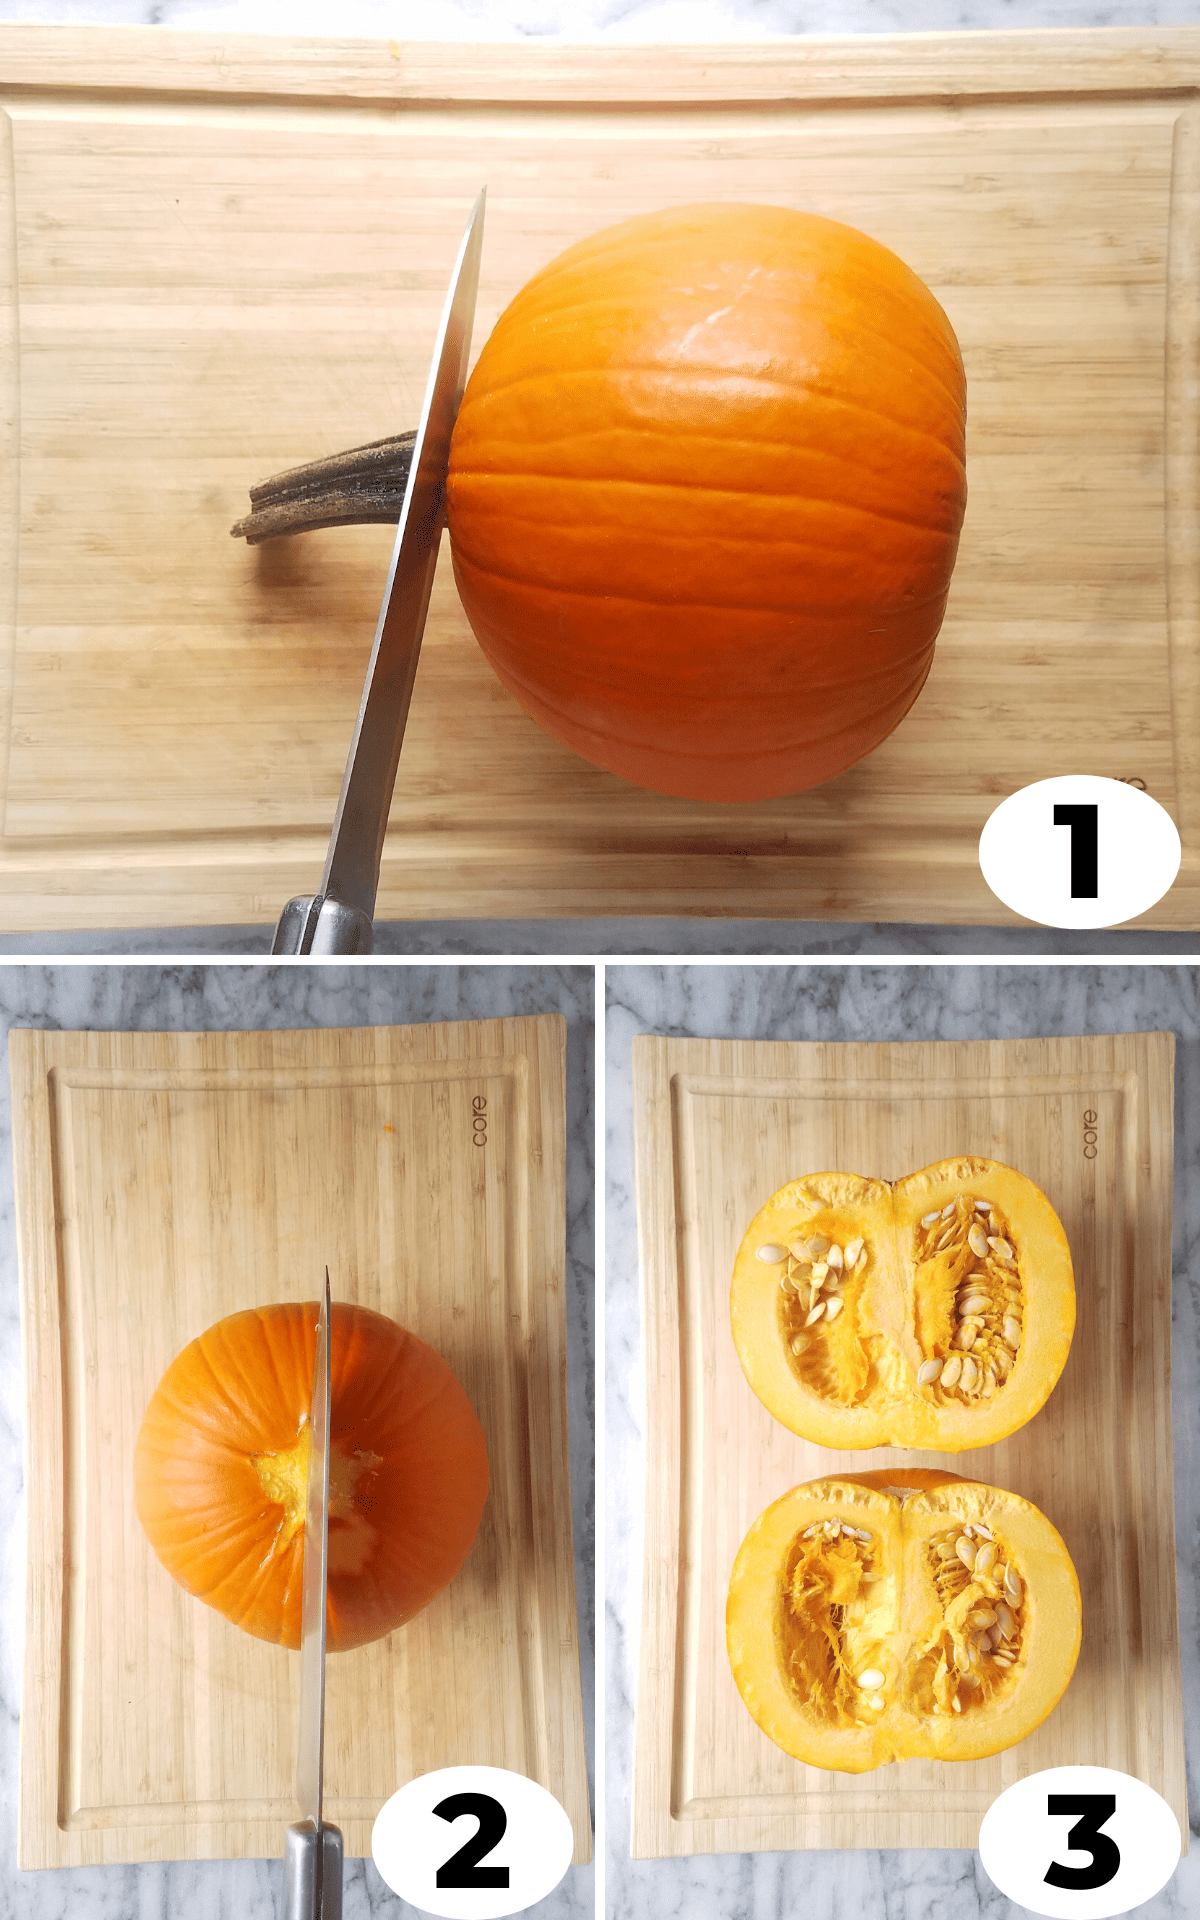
x: 867, y: 1003
x: 220, y: 998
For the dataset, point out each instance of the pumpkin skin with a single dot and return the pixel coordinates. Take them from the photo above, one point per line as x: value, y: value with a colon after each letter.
x: 797, y: 1663
x: 704, y: 497
x: 221, y: 1463
x: 853, y: 1382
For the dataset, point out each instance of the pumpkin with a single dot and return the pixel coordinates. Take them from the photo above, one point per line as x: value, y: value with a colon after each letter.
x: 221, y: 1466
x: 704, y: 497
x: 936, y: 1313
x: 899, y: 1615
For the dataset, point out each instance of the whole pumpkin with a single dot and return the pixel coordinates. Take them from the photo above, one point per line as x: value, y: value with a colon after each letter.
x: 704, y: 497
x: 221, y: 1462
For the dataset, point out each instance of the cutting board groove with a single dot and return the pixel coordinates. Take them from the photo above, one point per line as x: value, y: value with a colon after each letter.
x: 165, y: 1180
x: 721, y: 1125
x: 219, y: 259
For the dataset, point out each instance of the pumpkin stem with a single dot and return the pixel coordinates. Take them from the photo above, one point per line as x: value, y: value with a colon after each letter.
x: 363, y: 485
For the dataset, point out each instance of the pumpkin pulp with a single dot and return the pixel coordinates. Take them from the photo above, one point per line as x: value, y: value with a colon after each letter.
x: 937, y: 1312
x: 283, y: 1478
x: 882, y: 1616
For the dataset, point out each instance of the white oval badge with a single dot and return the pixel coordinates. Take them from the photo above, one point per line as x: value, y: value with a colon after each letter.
x: 472, y: 1842
x: 1079, y: 851
x: 1079, y: 1843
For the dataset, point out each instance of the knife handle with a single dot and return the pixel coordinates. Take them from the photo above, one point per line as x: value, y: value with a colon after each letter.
x: 312, y: 1873
x: 314, y: 923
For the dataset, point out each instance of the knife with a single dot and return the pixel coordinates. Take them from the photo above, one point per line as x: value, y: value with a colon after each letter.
x: 313, y: 1854
x: 338, y: 918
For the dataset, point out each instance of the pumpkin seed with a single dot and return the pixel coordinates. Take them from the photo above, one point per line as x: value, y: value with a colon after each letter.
x: 982, y: 1616
x: 797, y: 1343
x: 1012, y: 1586
x: 970, y: 1373
x: 1004, y: 1620
x: 977, y: 1240
x: 876, y: 1702
x: 1001, y: 1247
x: 871, y: 1680
x: 861, y: 1261
x: 985, y: 1559
x: 965, y: 1552
x: 956, y: 1703
x: 864, y: 1536
x: 1012, y: 1333
x: 945, y: 1550
x: 982, y: 1206
x: 819, y: 1271
x: 834, y: 1257
x: 833, y: 1307
x: 928, y: 1371
x: 815, y: 1313
x: 799, y: 1250
x: 948, y: 1210
x: 987, y: 1385
x: 771, y: 1254
x: 974, y: 1303
x: 951, y: 1370
x: 853, y: 1249
x: 819, y: 1244
x: 809, y: 1531
x: 930, y: 1218
x: 964, y: 1339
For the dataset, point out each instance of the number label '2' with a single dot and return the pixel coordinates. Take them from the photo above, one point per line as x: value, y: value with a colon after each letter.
x: 462, y: 1869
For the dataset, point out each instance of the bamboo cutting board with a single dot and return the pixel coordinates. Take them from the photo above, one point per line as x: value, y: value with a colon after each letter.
x: 722, y: 1125
x: 222, y: 257
x: 166, y: 1180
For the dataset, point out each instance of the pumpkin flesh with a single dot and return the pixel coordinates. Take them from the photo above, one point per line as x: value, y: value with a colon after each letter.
x: 220, y: 1471
x: 814, y: 1608
x: 704, y: 497
x: 964, y: 1264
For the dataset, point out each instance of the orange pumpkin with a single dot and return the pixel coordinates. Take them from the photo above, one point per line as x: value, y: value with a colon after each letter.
x: 704, y: 497
x: 221, y: 1464
x: 899, y: 1615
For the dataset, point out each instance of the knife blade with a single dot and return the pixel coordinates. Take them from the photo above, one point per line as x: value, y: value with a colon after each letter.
x: 337, y: 919
x: 313, y: 1872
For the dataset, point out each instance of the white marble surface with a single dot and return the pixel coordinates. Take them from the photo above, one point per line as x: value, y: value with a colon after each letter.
x: 220, y: 998
x: 613, y: 21
x: 867, y: 1003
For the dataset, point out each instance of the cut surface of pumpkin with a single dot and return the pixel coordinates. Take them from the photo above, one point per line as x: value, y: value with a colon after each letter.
x: 901, y: 1614
x: 221, y: 1464
x: 936, y: 1312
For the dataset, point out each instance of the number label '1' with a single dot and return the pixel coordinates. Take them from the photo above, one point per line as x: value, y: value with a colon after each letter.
x: 1079, y: 851
x: 472, y: 1843
x: 1079, y: 1843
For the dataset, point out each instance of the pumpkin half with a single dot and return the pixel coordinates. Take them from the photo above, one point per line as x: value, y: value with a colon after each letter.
x: 221, y: 1465
x: 936, y: 1313
x: 704, y: 497
x: 899, y: 1615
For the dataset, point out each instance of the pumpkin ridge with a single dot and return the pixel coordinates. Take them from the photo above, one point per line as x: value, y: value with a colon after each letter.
x: 690, y: 369
x: 713, y: 606
x: 608, y: 484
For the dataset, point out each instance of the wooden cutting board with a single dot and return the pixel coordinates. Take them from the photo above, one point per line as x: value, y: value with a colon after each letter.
x: 722, y: 1125
x: 165, y: 1180
x: 221, y: 256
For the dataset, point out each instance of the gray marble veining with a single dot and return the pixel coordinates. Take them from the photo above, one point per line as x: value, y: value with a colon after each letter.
x: 154, y: 998
x: 868, y: 1003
